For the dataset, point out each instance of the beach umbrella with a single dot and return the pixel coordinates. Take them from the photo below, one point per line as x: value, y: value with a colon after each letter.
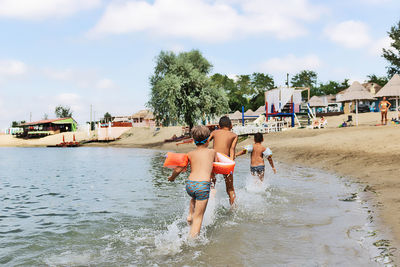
x: 249, y: 112
x: 392, y: 89
x: 235, y: 116
x: 355, y: 93
x: 316, y: 102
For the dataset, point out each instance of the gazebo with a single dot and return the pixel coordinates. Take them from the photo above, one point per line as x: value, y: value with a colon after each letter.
x: 356, y: 92
x: 392, y: 89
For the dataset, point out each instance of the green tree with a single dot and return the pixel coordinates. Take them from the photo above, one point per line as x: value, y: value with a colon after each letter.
x: 181, y: 91
x: 235, y: 97
x: 247, y: 90
x: 17, y: 123
x: 393, y: 54
x: 330, y: 88
x: 306, y: 78
x: 378, y: 80
x: 63, y: 111
x: 260, y: 83
x: 107, y: 117
x: 45, y: 116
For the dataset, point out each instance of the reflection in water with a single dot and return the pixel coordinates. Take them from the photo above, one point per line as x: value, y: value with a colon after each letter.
x: 159, y: 174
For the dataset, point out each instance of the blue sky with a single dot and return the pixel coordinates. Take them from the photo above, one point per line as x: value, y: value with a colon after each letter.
x: 99, y: 52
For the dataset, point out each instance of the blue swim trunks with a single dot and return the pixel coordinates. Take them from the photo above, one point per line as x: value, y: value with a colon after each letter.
x: 199, y: 190
x: 257, y: 170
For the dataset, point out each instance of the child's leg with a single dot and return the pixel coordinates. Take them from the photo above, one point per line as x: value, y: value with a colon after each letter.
x: 229, y: 188
x: 213, y: 180
x: 200, y: 208
x: 261, y: 176
x: 191, y: 210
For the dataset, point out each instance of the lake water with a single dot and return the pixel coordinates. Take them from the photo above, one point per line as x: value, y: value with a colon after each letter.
x: 115, y: 207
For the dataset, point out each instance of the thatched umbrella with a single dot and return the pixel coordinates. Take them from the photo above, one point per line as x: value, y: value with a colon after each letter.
x: 392, y: 89
x: 356, y: 92
x: 249, y: 112
x: 316, y: 102
x: 235, y: 116
x: 260, y: 111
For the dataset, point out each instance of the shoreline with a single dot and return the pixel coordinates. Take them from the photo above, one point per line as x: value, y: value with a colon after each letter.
x: 366, y: 154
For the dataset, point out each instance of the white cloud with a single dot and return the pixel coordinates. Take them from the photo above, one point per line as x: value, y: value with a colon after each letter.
x: 42, y: 9
x: 81, y: 78
x: 351, y: 34
x: 208, y: 20
x: 378, y: 45
x: 69, y: 99
x: 291, y: 64
x: 12, y: 68
x: 105, y: 84
x: 374, y: 2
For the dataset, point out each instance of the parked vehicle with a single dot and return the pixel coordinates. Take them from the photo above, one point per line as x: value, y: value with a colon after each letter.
x: 363, y: 108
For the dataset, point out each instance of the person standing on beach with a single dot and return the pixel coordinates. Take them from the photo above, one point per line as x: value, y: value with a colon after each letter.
x: 198, y: 184
x: 258, y: 152
x: 225, y: 142
x: 384, y: 106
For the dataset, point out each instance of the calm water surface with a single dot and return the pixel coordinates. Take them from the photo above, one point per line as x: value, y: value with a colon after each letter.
x: 115, y: 207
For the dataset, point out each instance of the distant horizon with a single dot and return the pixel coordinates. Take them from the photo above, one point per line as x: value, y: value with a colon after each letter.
x: 102, y: 52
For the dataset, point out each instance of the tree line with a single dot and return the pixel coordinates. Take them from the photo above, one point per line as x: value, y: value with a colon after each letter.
x: 183, y: 91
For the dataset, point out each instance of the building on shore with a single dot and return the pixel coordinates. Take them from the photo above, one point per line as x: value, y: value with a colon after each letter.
x: 44, y: 128
x: 143, y: 118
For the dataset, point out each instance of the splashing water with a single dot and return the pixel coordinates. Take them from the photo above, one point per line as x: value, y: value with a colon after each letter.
x: 113, y: 207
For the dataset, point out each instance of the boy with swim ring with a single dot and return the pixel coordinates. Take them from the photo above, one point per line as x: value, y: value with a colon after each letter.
x: 198, y: 184
x: 225, y: 143
x: 258, y: 152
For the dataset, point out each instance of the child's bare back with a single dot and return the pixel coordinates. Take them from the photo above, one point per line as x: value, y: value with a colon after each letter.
x: 201, y: 164
x: 223, y: 141
x: 257, y: 157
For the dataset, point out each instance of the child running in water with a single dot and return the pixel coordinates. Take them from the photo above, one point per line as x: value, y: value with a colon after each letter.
x: 198, y: 184
x: 225, y: 143
x: 258, y: 152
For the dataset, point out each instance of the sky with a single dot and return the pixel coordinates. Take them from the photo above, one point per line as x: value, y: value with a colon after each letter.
x: 102, y: 52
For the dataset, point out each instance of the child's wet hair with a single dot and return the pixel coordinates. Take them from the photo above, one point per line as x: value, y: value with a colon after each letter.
x: 224, y: 121
x: 200, y: 134
x: 258, y: 138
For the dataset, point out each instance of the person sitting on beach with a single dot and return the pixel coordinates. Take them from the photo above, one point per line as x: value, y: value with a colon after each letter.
x: 384, y: 106
x: 198, y: 184
x: 258, y: 152
x: 225, y: 143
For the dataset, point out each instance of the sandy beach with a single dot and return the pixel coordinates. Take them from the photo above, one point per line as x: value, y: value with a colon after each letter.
x: 369, y: 154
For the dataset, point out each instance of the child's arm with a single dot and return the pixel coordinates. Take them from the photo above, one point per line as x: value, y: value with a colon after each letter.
x: 248, y: 148
x: 175, y: 173
x: 233, y: 147
x: 244, y: 151
x: 271, y: 162
x: 211, y: 137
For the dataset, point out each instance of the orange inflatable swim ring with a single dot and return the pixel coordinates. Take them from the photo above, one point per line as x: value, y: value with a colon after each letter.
x: 174, y: 160
x: 224, y: 165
